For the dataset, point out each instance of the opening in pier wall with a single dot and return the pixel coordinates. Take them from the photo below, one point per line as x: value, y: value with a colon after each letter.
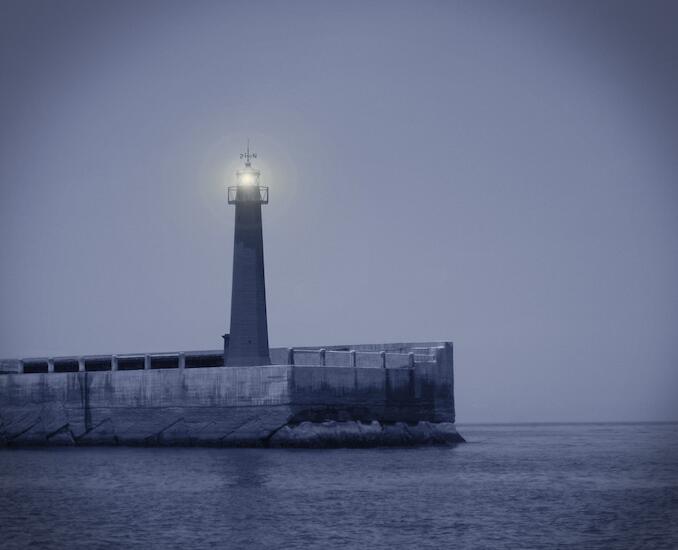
x: 35, y: 366
x: 206, y: 360
x: 66, y: 365
x: 130, y: 363
x: 97, y: 364
x: 165, y: 362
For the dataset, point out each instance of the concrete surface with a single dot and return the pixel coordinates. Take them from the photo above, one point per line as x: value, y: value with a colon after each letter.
x: 230, y: 406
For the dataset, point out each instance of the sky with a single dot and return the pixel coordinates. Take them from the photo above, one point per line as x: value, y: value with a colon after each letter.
x: 503, y: 175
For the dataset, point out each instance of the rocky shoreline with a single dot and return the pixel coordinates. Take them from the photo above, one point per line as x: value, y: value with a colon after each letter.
x: 351, y: 433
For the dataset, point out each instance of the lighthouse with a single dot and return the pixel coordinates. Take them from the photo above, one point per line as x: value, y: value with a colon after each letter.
x: 247, y: 344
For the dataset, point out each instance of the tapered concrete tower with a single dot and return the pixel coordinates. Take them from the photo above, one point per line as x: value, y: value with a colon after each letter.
x: 247, y: 344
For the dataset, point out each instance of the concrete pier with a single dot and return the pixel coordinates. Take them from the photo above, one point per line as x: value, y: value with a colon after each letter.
x: 329, y: 396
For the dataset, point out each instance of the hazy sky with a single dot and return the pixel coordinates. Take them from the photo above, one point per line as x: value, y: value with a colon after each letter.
x: 503, y: 175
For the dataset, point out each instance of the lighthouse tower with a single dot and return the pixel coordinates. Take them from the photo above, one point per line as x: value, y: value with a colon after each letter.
x: 247, y: 344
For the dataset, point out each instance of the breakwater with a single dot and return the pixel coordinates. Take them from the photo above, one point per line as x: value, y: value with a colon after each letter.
x: 311, y: 396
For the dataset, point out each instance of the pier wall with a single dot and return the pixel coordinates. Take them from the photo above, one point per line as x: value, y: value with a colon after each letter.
x: 128, y: 400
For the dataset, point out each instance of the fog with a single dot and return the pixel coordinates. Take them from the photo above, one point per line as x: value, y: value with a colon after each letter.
x: 502, y: 175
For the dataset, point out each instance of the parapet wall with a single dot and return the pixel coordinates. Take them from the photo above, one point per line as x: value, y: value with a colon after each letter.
x: 169, y: 399
x: 364, y: 355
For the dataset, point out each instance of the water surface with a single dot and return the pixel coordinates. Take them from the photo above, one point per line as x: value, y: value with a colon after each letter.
x: 511, y: 486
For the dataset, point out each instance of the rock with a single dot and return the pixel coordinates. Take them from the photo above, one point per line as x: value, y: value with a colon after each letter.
x: 357, y: 434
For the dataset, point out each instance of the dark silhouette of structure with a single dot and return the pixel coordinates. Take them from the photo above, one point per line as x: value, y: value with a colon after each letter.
x: 247, y: 343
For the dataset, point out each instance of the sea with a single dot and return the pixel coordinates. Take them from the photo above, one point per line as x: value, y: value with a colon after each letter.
x: 510, y: 486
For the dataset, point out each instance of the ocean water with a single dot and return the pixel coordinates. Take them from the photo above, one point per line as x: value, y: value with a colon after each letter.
x: 510, y: 486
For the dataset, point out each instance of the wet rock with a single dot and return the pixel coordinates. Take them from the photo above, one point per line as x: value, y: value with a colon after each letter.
x: 357, y: 434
